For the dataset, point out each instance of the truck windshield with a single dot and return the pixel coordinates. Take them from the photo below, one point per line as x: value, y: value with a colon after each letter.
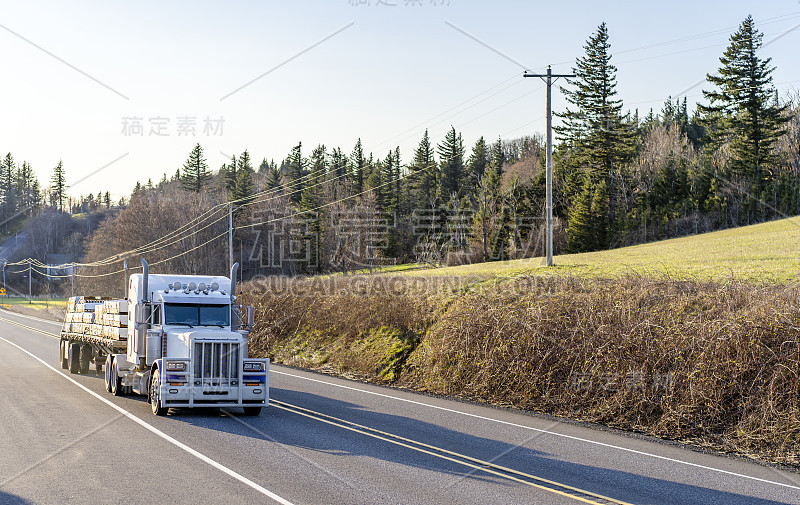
x: 197, y: 315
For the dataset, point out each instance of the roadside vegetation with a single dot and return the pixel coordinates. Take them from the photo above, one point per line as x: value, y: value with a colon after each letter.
x: 694, y: 339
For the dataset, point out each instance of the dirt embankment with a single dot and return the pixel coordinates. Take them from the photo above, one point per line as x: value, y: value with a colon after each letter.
x: 716, y: 365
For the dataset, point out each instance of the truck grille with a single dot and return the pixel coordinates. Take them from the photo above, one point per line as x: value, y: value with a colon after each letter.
x: 215, y: 363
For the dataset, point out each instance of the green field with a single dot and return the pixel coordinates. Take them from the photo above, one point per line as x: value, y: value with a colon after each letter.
x: 767, y: 252
x: 36, y: 303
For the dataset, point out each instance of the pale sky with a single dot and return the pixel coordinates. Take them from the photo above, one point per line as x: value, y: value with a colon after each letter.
x: 76, y: 75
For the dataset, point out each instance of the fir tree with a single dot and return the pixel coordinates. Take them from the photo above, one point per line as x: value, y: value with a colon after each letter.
x: 451, y: 161
x: 339, y: 165
x: 245, y: 163
x: 594, y: 129
x: 359, y: 167
x: 423, y: 174
x: 243, y: 192
x: 58, y: 186
x: 7, y: 185
x: 478, y: 162
x: 743, y: 109
x: 195, y: 176
x: 274, y: 180
x: 580, y: 236
x: 231, y: 174
x: 296, y: 173
x: 310, y: 201
x: 498, y: 157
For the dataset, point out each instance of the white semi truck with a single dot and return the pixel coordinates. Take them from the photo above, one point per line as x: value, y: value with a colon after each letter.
x: 181, y: 340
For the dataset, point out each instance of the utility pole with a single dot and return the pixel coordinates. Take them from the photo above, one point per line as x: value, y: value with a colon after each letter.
x: 230, y: 235
x: 30, y: 270
x: 125, y: 277
x: 5, y: 290
x: 549, y: 78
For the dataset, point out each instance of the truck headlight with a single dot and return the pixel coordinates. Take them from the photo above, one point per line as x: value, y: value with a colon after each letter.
x: 254, y: 367
x: 176, y: 366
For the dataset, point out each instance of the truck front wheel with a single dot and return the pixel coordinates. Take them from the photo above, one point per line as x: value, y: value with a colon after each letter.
x: 74, y: 357
x: 252, y: 411
x: 155, y: 394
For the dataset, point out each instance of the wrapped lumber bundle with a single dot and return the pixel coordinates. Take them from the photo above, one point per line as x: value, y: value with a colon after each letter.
x: 116, y: 306
x: 115, y: 319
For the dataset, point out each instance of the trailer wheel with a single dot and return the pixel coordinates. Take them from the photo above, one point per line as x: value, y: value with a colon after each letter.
x: 107, y: 370
x: 117, y: 389
x: 155, y: 395
x: 252, y: 411
x: 74, y: 357
x: 64, y: 360
x: 86, y: 355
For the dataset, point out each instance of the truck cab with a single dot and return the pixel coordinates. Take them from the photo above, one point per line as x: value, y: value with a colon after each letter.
x: 188, y: 345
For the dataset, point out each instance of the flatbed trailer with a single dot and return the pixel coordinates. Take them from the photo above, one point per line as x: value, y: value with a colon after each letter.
x: 100, y: 347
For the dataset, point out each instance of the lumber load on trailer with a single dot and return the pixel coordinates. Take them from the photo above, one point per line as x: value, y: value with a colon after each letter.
x: 97, y: 317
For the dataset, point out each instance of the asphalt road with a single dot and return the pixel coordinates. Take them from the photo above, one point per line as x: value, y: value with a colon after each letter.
x: 323, y: 440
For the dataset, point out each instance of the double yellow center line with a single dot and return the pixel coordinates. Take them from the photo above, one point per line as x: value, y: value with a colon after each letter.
x: 550, y: 486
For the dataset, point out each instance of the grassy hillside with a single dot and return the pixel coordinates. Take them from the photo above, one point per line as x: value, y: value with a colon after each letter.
x: 767, y: 252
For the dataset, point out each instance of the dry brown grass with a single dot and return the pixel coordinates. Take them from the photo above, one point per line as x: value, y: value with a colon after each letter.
x: 713, y: 364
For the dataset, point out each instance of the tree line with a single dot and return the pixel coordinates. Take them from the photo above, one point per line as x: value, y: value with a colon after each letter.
x: 621, y: 178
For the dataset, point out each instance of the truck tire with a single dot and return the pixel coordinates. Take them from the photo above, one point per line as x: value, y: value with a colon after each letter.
x: 117, y: 389
x: 252, y: 411
x: 86, y: 356
x: 64, y: 360
x: 74, y: 357
x: 155, y: 395
x: 107, y: 369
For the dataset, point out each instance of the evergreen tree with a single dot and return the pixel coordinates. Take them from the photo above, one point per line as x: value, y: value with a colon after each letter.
x: 339, y: 165
x: 743, y: 109
x: 595, y: 130
x: 274, y: 180
x: 245, y: 163
x: 58, y: 186
x: 498, y: 157
x: 451, y: 161
x: 319, y: 163
x: 580, y: 236
x: 263, y: 168
x: 423, y: 174
x: 231, y: 174
x: 26, y: 186
x: 7, y: 185
x: 478, y: 162
x: 195, y: 176
x: 243, y: 192
x: 310, y: 201
x: 359, y: 166
x: 296, y: 172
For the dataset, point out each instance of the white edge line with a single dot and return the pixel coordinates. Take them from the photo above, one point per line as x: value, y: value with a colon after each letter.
x: 602, y: 444
x: 176, y: 443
